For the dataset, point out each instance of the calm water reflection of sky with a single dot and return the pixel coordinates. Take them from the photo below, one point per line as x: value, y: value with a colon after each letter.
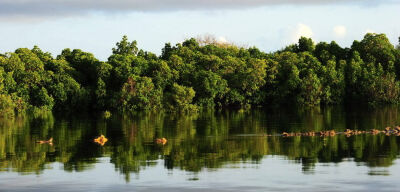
x: 273, y: 173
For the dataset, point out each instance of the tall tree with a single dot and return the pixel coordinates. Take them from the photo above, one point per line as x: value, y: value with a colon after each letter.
x: 124, y: 47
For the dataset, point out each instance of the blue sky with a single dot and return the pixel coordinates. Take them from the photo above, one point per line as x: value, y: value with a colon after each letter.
x: 95, y: 26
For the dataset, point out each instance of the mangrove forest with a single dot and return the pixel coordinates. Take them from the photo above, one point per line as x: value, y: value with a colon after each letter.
x: 201, y: 73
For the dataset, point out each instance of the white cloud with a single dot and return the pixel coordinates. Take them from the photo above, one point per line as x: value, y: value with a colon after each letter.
x: 369, y: 31
x: 222, y: 39
x: 340, y: 31
x: 302, y: 30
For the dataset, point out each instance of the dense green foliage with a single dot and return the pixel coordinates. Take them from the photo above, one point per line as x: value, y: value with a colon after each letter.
x: 191, y: 74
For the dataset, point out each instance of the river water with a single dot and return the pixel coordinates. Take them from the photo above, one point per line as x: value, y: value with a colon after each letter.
x: 226, y: 150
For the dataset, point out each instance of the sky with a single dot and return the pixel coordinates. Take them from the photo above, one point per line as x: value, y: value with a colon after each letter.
x: 96, y: 25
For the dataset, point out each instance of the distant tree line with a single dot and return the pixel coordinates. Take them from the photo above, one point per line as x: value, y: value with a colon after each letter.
x: 201, y: 73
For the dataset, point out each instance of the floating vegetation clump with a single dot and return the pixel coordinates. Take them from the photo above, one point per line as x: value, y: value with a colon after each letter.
x: 50, y: 141
x: 101, y: 140
x: 161, y: 141
x: 329, y: 133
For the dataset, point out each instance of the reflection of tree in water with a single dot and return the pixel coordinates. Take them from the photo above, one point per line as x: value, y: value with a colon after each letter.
x: 210, y: 139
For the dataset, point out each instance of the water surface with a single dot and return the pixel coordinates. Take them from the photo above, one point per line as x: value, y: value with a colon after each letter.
x: 213, y: 150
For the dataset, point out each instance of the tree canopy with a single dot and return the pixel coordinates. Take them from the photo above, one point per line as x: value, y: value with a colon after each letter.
x: 199, y: 73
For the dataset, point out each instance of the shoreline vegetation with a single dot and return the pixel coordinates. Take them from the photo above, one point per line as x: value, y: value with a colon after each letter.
x: 200, y: 73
